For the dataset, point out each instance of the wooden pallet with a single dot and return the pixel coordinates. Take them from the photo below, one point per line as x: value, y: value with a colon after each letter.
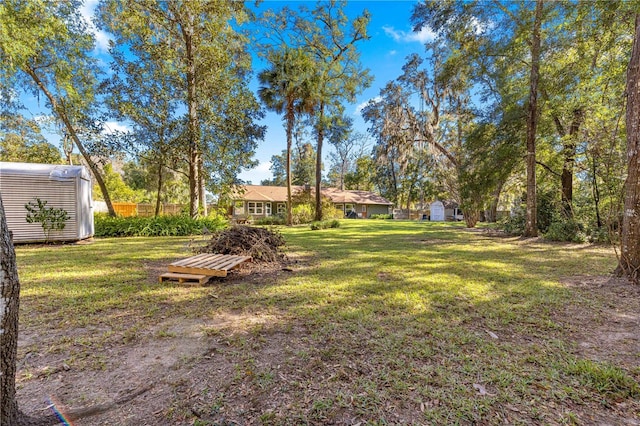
x: 210, y: 265
x: 191, y: 279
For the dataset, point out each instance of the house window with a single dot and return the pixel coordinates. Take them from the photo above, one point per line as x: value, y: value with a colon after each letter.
x: 282, y: 208
x: 238, y: 208
x: 364, y: 208
x: 340, y: 207
x: 267, y: 209
x: 348, y: 207
x: 255, y: 208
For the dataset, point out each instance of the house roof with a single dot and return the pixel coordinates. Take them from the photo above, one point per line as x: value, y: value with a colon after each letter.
x: 279, y: 194
x: 356, y: 197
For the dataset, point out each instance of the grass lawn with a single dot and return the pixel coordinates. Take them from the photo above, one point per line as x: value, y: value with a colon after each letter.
x: 379, y: 322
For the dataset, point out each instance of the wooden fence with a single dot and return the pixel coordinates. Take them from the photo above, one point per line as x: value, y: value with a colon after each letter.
x: 147, y: 210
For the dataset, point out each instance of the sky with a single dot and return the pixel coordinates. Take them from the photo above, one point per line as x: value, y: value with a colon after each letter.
x: 391, y: 41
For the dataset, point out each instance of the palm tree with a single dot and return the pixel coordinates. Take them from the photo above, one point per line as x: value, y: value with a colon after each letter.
x: 285, y: 88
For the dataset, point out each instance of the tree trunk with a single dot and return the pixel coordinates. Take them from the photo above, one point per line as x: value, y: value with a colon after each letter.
x: 193, y: 127
x: 629, y: 265
x: 60, y: 111
x: 531, y: 225
x: 471, y: 217
x: 595, y: 191
x: 319, y: 162
x: 202, y: 188
x: 9, y: 303
x: 290, y: 123
x: 569, y: 154
x: 160, y: 182
x: 492, y: 213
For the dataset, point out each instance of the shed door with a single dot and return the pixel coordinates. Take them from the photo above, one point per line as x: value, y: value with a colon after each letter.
x: 437, y: 211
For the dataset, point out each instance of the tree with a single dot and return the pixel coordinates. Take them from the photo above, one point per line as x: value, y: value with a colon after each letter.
x: 119, y: 190
x: 304, y: 164
x: 44, y: 47
x: 22, y: 141
x: 206, y: 61
x: 629, y: 263
x: 340, y: 76
x: 143, y: 92
x: 363, y: 176
x: 531, y: 227
x: 285, y: 88
x: 9, y: 304
x: 278, y: 170
x: 348, y: 146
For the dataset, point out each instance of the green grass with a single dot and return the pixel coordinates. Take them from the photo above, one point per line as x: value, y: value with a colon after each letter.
x: 382, y: 316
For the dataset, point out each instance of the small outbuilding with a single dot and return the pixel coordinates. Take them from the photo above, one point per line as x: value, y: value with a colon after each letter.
x: 64, y: 187
x: 436, y: 211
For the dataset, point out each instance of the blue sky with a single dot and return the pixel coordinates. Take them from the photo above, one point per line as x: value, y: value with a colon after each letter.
x: 392, y: 40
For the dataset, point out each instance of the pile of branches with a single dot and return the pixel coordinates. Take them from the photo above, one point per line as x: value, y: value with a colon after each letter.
x: 261, y: 244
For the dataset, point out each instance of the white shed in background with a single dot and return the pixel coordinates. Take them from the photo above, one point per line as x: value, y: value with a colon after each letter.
x: 66, y: 187
x: 436, y: 211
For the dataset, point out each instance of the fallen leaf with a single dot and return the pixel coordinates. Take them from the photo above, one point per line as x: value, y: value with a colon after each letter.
x: 492, y: 334
x: 481, y: 389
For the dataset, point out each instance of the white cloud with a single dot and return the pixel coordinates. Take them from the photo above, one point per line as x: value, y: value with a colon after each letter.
x: 263, y: 167
x: 362, y: 105
x: 110, y: 127
x: 102, y: 38
x: 425, y: 35
x: 393, y: 52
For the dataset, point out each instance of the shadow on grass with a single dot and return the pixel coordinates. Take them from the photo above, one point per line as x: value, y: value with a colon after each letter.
x: 389, y: 317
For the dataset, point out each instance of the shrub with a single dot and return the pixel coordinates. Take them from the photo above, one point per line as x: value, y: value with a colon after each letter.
x: 600, y: 235
x: 302, y: 213
x: 50, y: 218
x: 513, y: 224
x: 277, y: 219
x: 106, y: 226
x: 330, y: 212
x: 325, y: 224
x: 566, y: 230
x: 381, y: 216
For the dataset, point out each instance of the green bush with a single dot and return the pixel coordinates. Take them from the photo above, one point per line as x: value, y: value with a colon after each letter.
x: 277, y: 219
x: 600, y: 235
x: 513, y: 225
x: 50, y: 218
x: 330, y: 212
x: 325, y: 224
x: 302, y: 213
x: 566, y: 230
x: 107, y: 226
x: 381, y: 216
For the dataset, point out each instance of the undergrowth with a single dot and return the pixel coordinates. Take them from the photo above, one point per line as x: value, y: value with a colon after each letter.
x: 159, y: 226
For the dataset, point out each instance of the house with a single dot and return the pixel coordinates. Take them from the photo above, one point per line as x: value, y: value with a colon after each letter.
x: 63, y: 187
x: 261, y: 201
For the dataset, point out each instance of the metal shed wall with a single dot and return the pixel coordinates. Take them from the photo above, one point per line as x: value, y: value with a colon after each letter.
x: 66, y: 187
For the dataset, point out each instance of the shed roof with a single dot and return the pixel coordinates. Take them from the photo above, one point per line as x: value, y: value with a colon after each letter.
x: 53, y: 171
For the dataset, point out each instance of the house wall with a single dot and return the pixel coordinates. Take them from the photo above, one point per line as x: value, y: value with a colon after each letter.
x: 377, y: 209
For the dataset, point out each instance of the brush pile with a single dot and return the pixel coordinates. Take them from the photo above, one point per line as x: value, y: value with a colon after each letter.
x: 261, y: 244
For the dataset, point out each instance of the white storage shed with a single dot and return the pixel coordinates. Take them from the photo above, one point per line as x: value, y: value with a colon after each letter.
x: 66, y: 187
x: 436, y: 211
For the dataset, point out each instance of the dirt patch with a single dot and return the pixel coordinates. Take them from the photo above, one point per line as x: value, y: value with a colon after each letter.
x: 610, y: 332
x: 244, y: 368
